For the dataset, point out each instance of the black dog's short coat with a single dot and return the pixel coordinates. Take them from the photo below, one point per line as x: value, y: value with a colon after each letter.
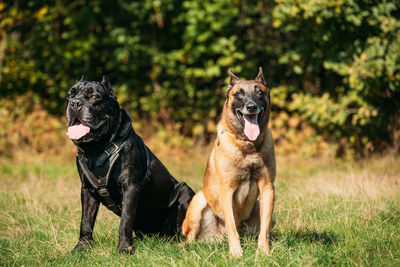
x: 154, y: 205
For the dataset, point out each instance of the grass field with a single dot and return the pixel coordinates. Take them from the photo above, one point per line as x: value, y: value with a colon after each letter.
x: 327, y: 213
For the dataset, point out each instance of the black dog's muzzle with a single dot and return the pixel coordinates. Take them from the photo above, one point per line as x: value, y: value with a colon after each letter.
x: 75, y: 104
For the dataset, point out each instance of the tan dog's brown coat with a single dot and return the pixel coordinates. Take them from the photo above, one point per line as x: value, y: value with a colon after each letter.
x: 238, y: 172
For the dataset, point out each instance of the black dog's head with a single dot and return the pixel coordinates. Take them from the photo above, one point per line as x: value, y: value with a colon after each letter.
x: 248, y: 105
x: 91, y: 110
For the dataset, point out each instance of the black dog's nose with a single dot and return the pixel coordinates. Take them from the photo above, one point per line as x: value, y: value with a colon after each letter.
x: 75, y: 103
x: 251, y: 106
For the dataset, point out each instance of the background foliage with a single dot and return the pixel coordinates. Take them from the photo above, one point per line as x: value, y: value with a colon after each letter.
x: 333, y: 66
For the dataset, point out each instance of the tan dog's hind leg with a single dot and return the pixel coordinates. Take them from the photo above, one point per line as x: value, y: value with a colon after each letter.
x: 191, y: 224
x: 267, y: 193
x: 230, y: 224
x: 211, y: 228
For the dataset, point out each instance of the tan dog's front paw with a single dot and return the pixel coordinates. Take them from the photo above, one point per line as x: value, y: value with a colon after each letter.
x: 236, y: 251
x: 190, y: 237
x: 263, y: 247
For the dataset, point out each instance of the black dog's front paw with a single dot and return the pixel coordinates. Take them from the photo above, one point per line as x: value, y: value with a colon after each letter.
x: 81, y: 246
x: 130, y: 250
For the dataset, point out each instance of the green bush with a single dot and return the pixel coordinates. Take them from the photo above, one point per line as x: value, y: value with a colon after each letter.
x: 334, y: 64
x: 344, y: 57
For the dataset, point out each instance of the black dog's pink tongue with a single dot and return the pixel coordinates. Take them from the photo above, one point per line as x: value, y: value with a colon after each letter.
x: 77, y: 131
x: 251, y: 129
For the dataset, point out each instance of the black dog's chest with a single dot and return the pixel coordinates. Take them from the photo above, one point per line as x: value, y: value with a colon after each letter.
x: 98, y: 175
x: 101, y: 171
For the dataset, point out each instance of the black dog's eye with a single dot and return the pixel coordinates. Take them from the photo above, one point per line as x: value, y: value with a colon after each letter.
x: 69, y: 96
x: 94, y: 96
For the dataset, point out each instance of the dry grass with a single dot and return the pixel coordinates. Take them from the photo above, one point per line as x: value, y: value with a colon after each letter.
x: 369, y: 178
x: 327, y: 212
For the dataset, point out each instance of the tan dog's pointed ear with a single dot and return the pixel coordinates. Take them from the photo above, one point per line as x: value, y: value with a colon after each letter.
x: 232, y: 82
x: 260, y: 76
x: 234, y: 78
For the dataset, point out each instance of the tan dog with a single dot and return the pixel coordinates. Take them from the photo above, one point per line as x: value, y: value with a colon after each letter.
x: 240, y: 168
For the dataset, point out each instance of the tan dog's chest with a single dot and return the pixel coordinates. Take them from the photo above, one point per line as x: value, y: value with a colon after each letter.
x: 247, y: 173
x: 240, y: 172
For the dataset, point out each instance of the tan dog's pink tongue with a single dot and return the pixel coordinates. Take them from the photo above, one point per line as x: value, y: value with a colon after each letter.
x: 251, y: 129
x: 77, y: 131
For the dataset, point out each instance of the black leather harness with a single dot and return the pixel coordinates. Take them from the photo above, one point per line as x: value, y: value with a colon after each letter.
x: 98, y: 175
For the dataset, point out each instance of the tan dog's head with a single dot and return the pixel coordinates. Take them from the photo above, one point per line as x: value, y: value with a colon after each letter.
x: 248, y: 105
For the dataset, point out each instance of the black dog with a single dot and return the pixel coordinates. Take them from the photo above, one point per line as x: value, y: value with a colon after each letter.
x: 117, y: 169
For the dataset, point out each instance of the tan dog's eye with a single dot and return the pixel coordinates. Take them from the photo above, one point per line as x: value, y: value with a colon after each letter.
x: 259, y: 92
x: 239, y: 93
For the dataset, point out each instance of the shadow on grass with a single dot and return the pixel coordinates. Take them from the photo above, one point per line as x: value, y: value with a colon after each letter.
x: 292, y: 238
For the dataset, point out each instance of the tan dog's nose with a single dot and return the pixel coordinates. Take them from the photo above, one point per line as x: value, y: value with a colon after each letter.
x: 251, y: 106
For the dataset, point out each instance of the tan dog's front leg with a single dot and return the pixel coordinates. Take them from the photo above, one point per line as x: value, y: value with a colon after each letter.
x: 230, y: 224
x: 267, y: 194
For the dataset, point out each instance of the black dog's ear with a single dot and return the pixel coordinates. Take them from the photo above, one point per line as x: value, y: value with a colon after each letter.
x: 81, y: 79
x: 106, y: 83
x: 260, y: 76
x: 232, y: 82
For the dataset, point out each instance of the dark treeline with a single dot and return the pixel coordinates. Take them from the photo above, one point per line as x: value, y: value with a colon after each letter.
x: 334, y: 64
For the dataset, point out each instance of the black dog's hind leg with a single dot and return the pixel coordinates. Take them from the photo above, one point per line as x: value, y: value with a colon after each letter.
x: 90, y: 207
x: 130, y: 200
x: 184, y: 196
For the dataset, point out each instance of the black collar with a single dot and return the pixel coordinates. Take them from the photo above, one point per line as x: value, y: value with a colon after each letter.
x: 111, y: 149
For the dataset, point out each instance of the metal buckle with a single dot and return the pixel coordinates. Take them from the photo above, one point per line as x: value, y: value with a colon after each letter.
x: 79, y: 153
x: 115, y: 149
x: 104, y: 192
x: 148, y: 174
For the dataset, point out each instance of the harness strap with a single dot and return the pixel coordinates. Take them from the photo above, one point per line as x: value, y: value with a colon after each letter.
x: 103, y: 192
x: 100, y: 183
x: 113, y: 148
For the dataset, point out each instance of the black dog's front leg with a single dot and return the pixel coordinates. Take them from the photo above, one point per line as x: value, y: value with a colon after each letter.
x: 90, y: 207
x: 129, y: 205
